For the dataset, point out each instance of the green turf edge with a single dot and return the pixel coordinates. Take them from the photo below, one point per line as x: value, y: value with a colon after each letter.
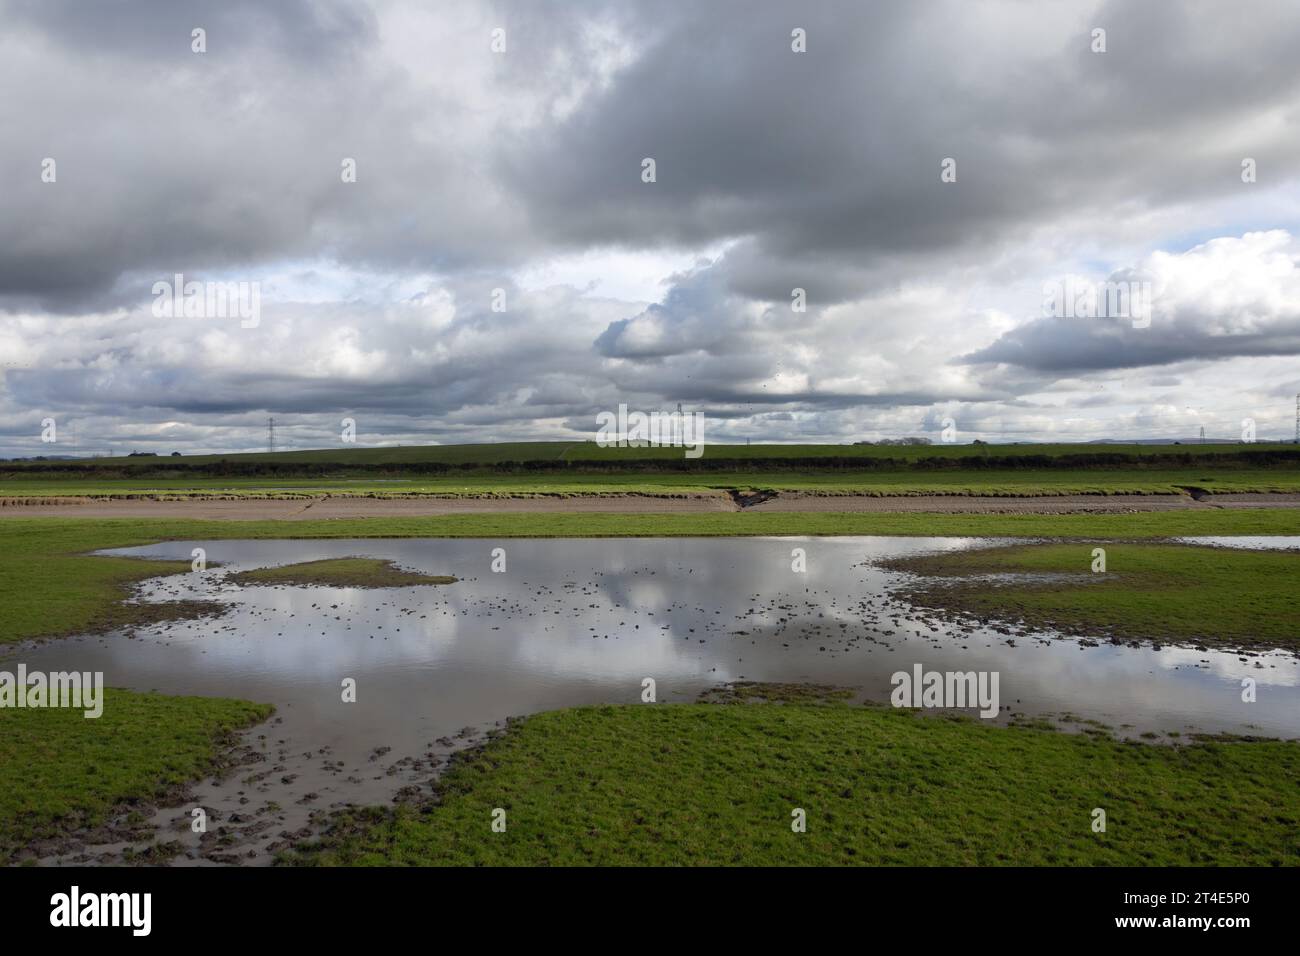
x: 341, y: 573
x: 1204, y: 597
x: 63, y: 774
x: 701, y: 784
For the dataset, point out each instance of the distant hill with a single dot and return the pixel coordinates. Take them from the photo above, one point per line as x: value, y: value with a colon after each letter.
x: 1167, y: 441
x: 530, y: 457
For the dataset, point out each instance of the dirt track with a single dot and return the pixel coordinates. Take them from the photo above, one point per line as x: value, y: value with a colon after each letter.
x: 345, y: 507
x: 1045, y: 504
x: 313, y: 509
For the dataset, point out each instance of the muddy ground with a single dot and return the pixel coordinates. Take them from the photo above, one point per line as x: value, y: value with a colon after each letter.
x: 342, y: 506
x: 276, y: 789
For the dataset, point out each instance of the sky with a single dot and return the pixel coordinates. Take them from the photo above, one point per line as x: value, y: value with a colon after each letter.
x: 863, y: 220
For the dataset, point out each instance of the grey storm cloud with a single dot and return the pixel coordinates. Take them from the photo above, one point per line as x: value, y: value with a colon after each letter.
x: 828, y: 161
x: 312, y: 32
x: 168, y: 158
x: 1227, y: 298
x: 775, y: 171
x: 1079, y: 345
x: 692, y: 316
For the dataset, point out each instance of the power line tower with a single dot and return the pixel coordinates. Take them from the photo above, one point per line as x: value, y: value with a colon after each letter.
x: 270, y: 435
x: 1297, y: 419
x: 1202, y: 433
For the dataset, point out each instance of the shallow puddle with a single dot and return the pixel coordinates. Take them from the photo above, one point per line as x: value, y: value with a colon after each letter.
x: 1275, y: 542
x: 586, y: 621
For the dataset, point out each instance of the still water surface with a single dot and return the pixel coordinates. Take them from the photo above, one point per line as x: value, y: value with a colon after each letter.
x: 584, y: 621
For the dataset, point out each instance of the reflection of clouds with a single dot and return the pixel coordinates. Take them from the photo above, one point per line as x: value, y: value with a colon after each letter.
x: 1276, y: 542
x: 1279, y: 668
x: 295, y: 650
x: 501, y: 643
x: 646, y: 595
x: 630, y: 657
x: 1140, y: 686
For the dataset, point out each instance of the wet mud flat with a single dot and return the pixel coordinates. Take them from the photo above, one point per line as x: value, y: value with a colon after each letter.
x: 267, y: 797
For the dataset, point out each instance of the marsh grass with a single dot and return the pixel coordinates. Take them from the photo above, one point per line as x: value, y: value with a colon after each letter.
x: 1148, y: 592
x: 700, y: 784
x: 61, y: 773
x: 342, y: 573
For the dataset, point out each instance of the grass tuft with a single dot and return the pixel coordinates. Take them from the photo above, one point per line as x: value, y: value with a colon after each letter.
x: 62, y: 774
x: 697, y: 784
x: 341, y: 573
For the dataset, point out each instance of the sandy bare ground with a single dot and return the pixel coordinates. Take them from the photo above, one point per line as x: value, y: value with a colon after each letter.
x: 346, y: 507
x: 342, y: 507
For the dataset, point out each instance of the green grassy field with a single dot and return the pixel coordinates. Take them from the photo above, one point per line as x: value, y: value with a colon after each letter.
x: 590, y: 451
x: 52, y: 593
x: 469, y: 485
x: 584, y: 468
x: 836, y: 482
x: 341, y: 573
x: 60, y: 772
x: 1209, y: 596
x: 488, y: 453
x: 495, y: 453
x: 51, y: 587
x: 704, y: 784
